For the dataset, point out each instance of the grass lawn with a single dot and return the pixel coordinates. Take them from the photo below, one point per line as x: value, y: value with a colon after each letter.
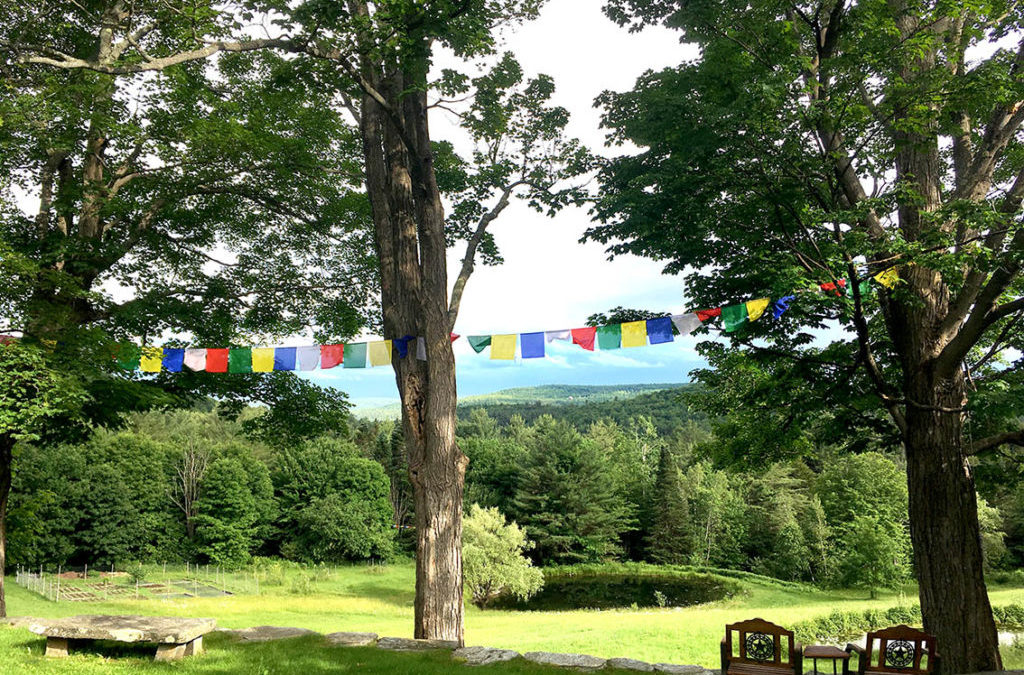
x: 380, y: 600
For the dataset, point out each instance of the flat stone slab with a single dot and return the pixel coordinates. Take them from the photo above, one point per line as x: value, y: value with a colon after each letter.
x: 482, y: 656
x: 631, y: 664
x: 673, y: 669
x: 582, y: 661
x: 397, y: 644
x: 351, y: 639
x: 20, y: 621
x: 127, y: 628
x: 268, y: 633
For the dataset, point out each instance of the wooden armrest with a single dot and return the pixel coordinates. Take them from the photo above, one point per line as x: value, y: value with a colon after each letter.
x: 854, y: 648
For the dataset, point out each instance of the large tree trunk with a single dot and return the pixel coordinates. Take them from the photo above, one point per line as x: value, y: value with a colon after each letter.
x: 944, y: 529
x: 6, y: 455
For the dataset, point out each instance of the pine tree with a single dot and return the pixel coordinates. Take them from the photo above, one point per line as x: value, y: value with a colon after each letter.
x: 671, y: 539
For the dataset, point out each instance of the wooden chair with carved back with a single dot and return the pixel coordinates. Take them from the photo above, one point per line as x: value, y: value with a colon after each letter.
x: 764, y: 649
x: 899, y: 649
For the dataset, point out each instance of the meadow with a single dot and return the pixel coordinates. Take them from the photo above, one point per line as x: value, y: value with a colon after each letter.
x: 380, y: 599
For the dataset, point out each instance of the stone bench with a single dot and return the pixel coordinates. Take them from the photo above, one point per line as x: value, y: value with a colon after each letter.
x: 174, y: 637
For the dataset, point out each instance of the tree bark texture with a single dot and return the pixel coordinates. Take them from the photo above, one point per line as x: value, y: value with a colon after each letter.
x: 410, y: 241
x: 6, y: 453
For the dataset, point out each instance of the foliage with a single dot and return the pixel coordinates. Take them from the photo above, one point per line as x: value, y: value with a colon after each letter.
x: 565, y: 500
x: 31, y: 393
x: 670, y: 539
x: 493, y: 564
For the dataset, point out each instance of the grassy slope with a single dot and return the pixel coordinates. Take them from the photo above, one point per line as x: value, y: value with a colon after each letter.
x: 380, y: 600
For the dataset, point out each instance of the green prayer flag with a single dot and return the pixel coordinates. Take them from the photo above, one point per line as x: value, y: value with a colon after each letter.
x: 478, y: 342
x: 355, y: 355
x: 865, y: 288
x: 240, y: 360
x: 128, y: 356
x: 734, y: 316
x: 609, y: 337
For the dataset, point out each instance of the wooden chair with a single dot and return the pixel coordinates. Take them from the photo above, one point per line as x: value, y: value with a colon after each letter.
x: 900, y: 649
x: 760, y: 650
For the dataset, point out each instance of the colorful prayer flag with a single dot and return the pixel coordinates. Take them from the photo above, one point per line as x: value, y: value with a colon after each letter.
x: 152, y: 359
x: 284, y: 358
x: 331, y: 356
x: 584, y: 337
x: 173, y: 359
x: 503, y: 347
x: 552, y: 335
x: 733, y: 317
x: 195, y: 359
x: 128, y: 356
x: 659, y: 330
x: 609, y: 337
x: 888, y: 278
x: 216, y: 360
x: 755, y: 308
x: 835, y: 287
x: 380, y: 353
x: 355, y: 355
x: 421, y: 349
x: 634, y: 334
x: 402, y: 345
x: 531, y: 345
x: 478, y: 342
x: 263, y: 360
x: 706, y: 314
x: 780, y: 306
x: 686, y: 323
x: 308, y: 357
x: 240, y: 360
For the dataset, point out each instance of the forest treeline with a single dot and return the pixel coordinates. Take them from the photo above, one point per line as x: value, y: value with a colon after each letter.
x: 585, y: 487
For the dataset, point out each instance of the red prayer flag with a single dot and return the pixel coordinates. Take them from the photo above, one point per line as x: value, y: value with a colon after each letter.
x: 584, y: 337
x: 216, y: 360
x: 454, y: 336
x: 832, y: 286
x: 331, y: 356
x: 705, y: 314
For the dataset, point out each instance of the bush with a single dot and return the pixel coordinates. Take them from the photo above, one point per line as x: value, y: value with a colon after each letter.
x: 492, y: 558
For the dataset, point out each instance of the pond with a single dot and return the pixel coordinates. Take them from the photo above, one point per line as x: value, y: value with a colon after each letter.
x: 612, y: 591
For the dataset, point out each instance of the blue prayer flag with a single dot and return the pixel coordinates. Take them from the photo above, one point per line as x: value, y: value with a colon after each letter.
x: 780, y: 306
x: 659, y: 330
x: 402, y: 345
x: 173, y: 359
x: 532, y: 345
x: 284, y: 358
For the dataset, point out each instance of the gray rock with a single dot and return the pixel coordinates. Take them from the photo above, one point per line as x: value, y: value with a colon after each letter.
x: 397, y: 644
x: 631, y: 664
x: 127, y: 628
x: 673, y: 669
x: 581, y: 661
x: 482, y: 656
x: 20, y: 621
x: 268, y: 633
x: 351, y: 639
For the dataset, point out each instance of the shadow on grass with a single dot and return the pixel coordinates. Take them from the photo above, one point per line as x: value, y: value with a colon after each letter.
x: 310, y: 655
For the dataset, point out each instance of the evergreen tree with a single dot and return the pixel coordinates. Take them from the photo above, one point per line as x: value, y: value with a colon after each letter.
x: 670, y: 539
x: 565, y: 498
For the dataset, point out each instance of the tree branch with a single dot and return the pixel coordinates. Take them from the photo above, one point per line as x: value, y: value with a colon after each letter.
x: 1009, y: 437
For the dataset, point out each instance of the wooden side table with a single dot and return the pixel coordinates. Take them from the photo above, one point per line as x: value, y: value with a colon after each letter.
x: 826, y: 652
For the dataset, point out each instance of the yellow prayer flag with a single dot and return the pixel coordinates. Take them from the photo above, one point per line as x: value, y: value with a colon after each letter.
x: 263, y: 360
x: 888, y: 278
x: 755, y: 308
x: 380, y: 353
x: 503, y: 347
x: 152, y: 359
x: 634, y: 334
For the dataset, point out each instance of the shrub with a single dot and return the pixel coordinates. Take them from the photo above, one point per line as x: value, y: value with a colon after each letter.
x: 493, y: 560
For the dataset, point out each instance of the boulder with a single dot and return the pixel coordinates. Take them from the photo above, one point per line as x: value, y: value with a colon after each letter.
x: 581, y: 661
x: 158, y: 629
x: 631, y: 664
x: 351, y: 639
x: 268, y: 633
x: 397, y: 644
x: 482, y: 656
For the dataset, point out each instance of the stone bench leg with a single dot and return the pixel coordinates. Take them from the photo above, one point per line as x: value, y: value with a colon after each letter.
x: 57, y: 647
x: 169, y: 652
x: 195, y: 647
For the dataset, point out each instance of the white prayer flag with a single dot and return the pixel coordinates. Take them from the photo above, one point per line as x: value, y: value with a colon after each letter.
x: 686, y: 323
x: 308, y: 358
x: 195, y: 359
x: 552, y: 335
x: 421, y: 349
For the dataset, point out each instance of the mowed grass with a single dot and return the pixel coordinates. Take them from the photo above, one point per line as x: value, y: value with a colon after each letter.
x: 380, y: 600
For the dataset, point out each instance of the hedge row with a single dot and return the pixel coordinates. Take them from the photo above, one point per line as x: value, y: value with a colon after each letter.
x: 839, y: 626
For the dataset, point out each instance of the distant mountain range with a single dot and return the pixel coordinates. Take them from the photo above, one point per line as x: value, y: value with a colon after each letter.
x: 581, y: 404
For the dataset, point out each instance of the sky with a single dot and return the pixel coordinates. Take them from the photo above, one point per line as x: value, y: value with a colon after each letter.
x: 549, y: 280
